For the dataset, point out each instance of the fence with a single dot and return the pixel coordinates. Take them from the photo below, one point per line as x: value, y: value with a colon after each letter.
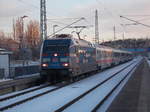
x: 23, y: 70
x: 2, y: 72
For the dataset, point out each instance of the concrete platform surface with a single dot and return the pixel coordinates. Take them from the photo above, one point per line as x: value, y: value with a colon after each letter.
x: 135, y: 96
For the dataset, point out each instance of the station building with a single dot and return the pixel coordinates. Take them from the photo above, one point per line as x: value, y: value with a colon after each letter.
x: 4, y: 63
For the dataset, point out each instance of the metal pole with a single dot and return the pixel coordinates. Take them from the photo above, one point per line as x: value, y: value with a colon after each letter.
x: 43, y: 20
x: 114, y: 33
x: 123, y: 35
x: 96, y: 28
x: 54, y: 26
x: 22, y: 42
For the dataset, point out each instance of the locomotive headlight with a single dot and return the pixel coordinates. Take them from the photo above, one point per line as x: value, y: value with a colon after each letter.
x: 44, y: 65
x: 65, y: 64
x: 55, y: 54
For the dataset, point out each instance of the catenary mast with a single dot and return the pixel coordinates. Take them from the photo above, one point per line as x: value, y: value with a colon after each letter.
x: 43, y: 23
x: 96, y: 28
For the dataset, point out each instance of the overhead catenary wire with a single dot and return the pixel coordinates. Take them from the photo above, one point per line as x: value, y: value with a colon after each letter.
x: 145, y: 19
x: 135, y: 21
x: 63, y: 18
x: 67, y: 26
x: 62, y: 23
x: 57, y: 22
x: 136, y: 15
x: 36, y: 7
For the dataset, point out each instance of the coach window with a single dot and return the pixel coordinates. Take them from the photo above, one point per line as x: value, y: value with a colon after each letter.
x: 102, y: 54
x: 99, y: 53
x: 115, y: 54
x: 105, y: 54
x: 108, y: 54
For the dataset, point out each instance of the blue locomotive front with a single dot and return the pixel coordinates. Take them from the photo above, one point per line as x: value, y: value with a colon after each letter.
x: 55, y: 57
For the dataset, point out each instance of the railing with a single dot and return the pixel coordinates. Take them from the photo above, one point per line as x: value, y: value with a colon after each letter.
x: 23, y: 70
x: 2, y: 71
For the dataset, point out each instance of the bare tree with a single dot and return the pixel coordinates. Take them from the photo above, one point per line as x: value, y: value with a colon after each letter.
x: 2, y: 37
x: 33, y: 34
x: 28, y: 40
x: 17, y: 29
x: 33, y: 38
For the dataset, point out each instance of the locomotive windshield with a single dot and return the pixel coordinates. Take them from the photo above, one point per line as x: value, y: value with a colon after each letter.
x: 57, y: 45
x: 56, y: 48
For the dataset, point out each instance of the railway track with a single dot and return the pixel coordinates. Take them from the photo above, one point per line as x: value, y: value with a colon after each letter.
x: 9, y: 98
x: 74, y: 103
x: 52, y: 90
x: 18, y: 84
x: 6, y: 97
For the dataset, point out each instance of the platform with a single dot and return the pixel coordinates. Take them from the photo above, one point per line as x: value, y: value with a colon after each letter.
x: 135, y: 96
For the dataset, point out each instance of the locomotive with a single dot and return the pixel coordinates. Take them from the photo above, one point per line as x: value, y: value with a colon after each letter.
x: 64, y: 56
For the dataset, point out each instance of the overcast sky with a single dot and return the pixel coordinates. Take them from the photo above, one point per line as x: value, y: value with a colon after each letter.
x: 108, y: 11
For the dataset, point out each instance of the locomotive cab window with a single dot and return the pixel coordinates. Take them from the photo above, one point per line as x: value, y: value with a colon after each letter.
x: 46, y: 60
x: 63, y: 59
x: 57, y: 48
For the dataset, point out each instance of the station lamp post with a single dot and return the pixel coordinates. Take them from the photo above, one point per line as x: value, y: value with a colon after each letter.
x: 22, y: 30
x: 54, y: 26
x: 22, y: 40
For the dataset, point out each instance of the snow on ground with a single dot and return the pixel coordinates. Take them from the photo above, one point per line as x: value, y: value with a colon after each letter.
x: 3, y: 80
x: 17, y: 92
x: 16, y: 99
x: 51, y: 102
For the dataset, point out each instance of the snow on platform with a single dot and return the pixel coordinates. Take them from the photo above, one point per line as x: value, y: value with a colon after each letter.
x: 135, y: 96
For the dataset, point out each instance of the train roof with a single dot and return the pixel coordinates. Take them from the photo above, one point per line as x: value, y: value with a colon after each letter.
x: 121, y: 51
x: 85, y: 43
x: 106, y: 48
x: 75, y: 41
x: 101, y: 47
